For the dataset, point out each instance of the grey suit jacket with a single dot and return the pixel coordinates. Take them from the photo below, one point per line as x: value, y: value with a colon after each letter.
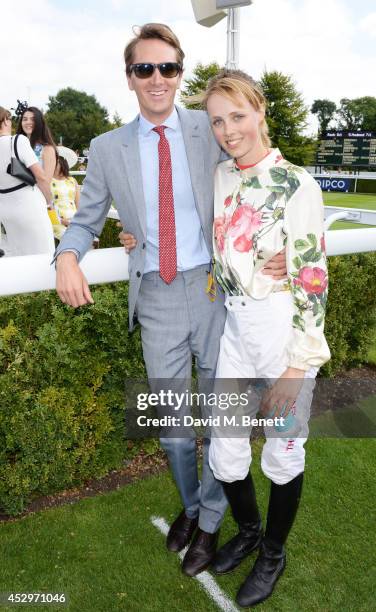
x: 114, y: 173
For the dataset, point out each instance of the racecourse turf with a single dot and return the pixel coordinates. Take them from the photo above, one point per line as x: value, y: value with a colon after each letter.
x: 105, y: 554
x: 349, y: 200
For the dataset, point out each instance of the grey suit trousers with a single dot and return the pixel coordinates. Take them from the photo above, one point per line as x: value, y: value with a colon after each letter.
x: 179, y: 321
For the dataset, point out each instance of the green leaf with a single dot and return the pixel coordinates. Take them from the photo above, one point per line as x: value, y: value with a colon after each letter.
x: 277, y: 189
x: 316, y: 257
x: 270, y: 200
x: 278, y: 175
x: 254, y: 182
x: 323, y: 299
x: 279, y: 213
x: 312, y: 239
x: 298, y: 322
x: 319, y: 322
x: 300, y: 245
x: 309, y: 255
x: 292, y: 181
x: 297, y: 262
x: 315, y: 309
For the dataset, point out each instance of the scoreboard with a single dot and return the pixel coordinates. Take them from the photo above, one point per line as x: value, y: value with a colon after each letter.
x: 346, y: 148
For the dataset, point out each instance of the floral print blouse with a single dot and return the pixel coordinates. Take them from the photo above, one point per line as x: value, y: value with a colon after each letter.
x: 258, y: 212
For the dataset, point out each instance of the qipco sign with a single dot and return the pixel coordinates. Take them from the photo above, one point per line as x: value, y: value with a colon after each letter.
x: 333, y: 184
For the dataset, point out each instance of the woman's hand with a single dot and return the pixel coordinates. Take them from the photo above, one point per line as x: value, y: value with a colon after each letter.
x: 65, y: 222
x: 127, y: 240
x: 280, y: 398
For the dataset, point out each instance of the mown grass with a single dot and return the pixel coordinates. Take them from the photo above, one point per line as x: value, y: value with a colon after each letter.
x: 105, y: 554
x: 349, y: 200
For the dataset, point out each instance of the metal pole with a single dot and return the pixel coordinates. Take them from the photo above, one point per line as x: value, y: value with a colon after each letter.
x: 233, y: 34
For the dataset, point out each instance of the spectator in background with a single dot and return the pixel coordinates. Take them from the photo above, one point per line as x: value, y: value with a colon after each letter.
x: 33, y: 125
x: 65, y: 196
x: 23, y: 210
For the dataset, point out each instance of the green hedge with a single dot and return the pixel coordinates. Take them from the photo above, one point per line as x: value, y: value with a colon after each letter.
x: 62, y: 375
x: 110, y: 235
x: 351, y: 310
x: 366, y: 186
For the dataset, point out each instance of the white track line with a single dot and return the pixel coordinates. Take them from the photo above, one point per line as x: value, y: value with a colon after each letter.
x: 207, y: 581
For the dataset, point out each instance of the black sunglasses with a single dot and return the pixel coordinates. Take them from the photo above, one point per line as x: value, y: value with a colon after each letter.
x: 168, y: 70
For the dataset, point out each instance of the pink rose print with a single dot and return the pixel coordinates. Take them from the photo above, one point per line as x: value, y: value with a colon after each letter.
x: 228, y: 201
x: 313, y: 280
x: 244, y: 223
x: 243, y: 244
x: 278, y: 159
x: 220, y: 229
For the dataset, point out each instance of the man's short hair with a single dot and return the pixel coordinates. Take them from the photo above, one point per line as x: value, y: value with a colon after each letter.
x: 158, y: 31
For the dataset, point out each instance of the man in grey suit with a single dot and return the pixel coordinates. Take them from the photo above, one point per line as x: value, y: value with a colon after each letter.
x: 162, y: 161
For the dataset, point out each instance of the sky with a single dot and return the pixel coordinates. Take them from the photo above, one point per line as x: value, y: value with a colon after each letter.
x: 328, y: 48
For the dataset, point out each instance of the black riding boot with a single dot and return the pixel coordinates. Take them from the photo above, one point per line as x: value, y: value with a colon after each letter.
x: 271, y: 561
x: 242, y: 499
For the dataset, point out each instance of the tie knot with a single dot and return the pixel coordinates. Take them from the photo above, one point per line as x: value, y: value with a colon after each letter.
x: 160, y: 130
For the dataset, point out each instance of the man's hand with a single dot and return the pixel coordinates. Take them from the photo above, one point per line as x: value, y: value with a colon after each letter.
x: 127, y: 240
x: 276, y: 267
x: 71, y: 285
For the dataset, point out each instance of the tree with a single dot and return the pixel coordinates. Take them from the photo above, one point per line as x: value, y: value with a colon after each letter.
x: 116, y: 120
x: 76, y: 117
x: 325, y: 110
x: 202, y: 73
x: 286, y: 115
x: 357, y: 114
x: 286, y: 112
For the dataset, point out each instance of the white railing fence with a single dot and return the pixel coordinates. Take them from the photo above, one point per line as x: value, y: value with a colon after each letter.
x: 355, y: 215
x: 35, y: 272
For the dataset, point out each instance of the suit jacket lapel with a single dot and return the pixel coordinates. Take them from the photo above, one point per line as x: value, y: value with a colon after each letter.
x: 196, y: 160
x: 131, y: 156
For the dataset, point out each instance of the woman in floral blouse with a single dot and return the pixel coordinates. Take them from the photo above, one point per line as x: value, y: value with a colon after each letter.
x: 274, y: 329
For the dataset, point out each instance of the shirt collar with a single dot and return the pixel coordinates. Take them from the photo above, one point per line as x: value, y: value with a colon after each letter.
x: 273, y: 158
x: 145, y: 126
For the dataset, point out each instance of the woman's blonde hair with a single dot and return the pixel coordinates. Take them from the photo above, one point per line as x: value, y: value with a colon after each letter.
x: 231, y: 84
x: 4, y: 114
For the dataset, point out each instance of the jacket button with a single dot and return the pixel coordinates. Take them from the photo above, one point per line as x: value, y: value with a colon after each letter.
x: 138, y: 274
x: 143, y: 245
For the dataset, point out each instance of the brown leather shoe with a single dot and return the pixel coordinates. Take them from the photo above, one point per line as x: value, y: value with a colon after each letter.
x: 181, y: 532
x: 201, y: 552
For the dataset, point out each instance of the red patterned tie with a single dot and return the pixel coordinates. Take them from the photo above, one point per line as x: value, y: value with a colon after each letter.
x: 167, y: 230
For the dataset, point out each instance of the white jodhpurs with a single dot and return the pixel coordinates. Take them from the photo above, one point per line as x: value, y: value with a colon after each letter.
x: 253, y: 346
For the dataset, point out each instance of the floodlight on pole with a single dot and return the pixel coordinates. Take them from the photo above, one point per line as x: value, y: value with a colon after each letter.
x: 209, y: 12
x: 206, y: 12
x: 224, y: 4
